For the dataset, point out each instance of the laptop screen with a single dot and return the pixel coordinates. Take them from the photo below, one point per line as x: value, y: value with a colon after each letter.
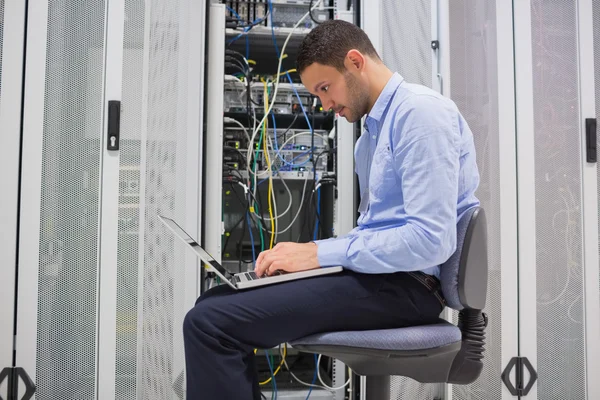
x: 181, y: 234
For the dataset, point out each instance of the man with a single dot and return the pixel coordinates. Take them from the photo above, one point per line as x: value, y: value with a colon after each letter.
x: 417, y: 173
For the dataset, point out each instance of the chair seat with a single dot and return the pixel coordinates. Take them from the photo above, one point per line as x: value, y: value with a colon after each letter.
x: 398, y: 339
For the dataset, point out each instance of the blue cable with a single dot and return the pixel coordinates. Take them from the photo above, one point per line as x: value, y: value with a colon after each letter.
x: 251, y: 237
x: 314, y: 377
x: 246, y: 29
x: 234, y: 13
x: 270, y: 3
x: 295, y: 158
x: 277, y: 148
x: 272, y: 374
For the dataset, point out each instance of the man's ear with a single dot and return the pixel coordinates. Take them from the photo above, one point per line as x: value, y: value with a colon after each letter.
x: 354, y: 60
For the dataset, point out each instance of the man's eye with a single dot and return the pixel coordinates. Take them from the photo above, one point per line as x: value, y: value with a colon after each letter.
x: 324, y: 88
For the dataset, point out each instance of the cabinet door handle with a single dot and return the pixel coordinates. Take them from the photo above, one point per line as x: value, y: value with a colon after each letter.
x: 590, y: 140
x: 114, y: 124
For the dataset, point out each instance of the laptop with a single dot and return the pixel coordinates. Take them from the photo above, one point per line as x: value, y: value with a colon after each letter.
x: 243, y: 280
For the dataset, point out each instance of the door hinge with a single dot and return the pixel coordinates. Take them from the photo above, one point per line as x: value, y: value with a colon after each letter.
x: 519, y: 389
x: 13, y: 374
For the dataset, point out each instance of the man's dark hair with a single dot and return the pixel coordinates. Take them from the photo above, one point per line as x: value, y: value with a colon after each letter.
x: 329, y: 42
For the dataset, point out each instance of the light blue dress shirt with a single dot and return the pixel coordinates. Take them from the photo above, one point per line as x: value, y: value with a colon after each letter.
x: 417, y: 174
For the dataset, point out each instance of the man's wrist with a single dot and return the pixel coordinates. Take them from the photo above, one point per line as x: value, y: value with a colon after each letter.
x: 333, y: 252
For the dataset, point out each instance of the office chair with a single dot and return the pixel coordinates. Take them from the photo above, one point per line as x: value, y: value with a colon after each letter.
x: 436, y: 353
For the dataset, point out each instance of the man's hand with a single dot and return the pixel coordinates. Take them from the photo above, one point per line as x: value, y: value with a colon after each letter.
x: 288, y: 257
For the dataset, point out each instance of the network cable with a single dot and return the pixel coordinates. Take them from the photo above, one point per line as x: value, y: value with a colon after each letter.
x: 276, y: 86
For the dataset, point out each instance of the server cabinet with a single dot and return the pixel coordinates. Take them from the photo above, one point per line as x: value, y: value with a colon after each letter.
x: 103, y: 288
x: 558, y: 243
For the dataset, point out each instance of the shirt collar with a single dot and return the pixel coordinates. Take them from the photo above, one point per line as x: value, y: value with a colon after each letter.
x: 383, y: 100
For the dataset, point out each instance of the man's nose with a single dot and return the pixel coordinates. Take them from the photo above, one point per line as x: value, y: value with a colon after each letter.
x: 327, y: 104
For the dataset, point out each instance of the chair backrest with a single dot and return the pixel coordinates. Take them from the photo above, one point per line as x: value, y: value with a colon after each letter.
x: 464, y: 276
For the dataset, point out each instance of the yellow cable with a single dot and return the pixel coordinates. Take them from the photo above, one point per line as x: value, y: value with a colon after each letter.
x: 266, y: 96
x: 289, y: 71
x: 278, y: 368
x: 266, y: 154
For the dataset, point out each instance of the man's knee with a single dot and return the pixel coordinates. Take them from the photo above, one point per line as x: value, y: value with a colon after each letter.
x: 221, y: 290
x: 198, y: 319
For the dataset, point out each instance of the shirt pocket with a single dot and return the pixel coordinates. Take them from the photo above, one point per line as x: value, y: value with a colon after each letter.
x: 382, y: 180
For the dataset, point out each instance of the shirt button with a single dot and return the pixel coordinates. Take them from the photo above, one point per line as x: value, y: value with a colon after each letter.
x: 373, y: 136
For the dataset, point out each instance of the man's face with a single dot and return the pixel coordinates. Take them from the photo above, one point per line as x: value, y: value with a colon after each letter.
x: 342, y: 92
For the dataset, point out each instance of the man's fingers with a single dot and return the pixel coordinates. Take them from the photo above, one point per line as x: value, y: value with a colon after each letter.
x: 265, y: 263
x: 278, y: 265
x: 259, y: 259
x: 261, y: 256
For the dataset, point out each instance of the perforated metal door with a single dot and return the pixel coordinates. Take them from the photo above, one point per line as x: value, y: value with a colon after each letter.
x: 474, y: 89
x: 406, y: 38
x: 152, y: 181
x: 560, y: 309
x: 69, y: 209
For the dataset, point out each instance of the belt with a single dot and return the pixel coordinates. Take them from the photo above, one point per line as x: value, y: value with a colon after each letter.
x: 430, y: 282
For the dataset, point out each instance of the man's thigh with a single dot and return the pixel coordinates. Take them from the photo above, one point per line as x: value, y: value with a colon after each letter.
x: 273, y: 314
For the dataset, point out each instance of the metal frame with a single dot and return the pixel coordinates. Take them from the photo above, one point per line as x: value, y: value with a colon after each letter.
x: 191, y: 62
x: 33, y: 128
x: 345, y: 211
x: 10, y: 124
x: 507, y: 152
x: 440, y: 24
x: 345, y: 204
x: 371, y: 22
x: 589, y: 198
x: 142, y: 197
x: 526, y: 184
x: 436, y: 82
x: 195, y: 101
x: 213, y: 223
x: 442, y: 13
x: 109, y: 206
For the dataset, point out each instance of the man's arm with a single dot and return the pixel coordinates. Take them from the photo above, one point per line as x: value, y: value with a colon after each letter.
x: 427, y: 163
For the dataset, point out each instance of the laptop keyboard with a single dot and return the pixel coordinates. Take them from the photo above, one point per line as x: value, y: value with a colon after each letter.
x: 251, y: 275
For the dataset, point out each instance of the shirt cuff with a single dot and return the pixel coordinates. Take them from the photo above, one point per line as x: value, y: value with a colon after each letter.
x: 332, y: 252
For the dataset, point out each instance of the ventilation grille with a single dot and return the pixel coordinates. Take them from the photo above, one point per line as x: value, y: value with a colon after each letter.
x: 560, y: 326
x: 403, y: 388
x: 68, y: 269
x: 152, y: 176
x: 406, y: 39
x: 128, y: 247
x: 474, y: 77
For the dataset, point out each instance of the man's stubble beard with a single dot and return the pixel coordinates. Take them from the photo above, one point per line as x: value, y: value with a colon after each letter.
x: 358, y: 99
